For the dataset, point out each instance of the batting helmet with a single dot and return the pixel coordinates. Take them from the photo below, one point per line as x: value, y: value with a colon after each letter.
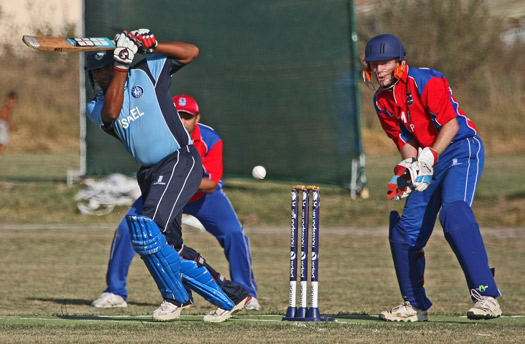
x: 187, y: 104
x: 98, y: 59
x: 384, y: 47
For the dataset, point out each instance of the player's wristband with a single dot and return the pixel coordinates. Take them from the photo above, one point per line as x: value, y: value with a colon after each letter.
x: 121, y: 67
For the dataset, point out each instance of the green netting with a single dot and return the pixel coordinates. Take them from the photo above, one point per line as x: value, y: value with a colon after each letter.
x: 276, y: 79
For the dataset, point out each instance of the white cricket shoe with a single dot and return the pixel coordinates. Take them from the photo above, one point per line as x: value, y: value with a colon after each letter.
x: 252, y: 305
x: 168, y: 311
x: 220, y: 315
x: 109, y: 300
x: 404, y: 312
x: 486, y: 307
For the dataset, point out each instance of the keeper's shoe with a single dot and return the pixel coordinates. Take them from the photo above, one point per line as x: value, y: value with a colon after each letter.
x: 485, y: 307
x: 168, y: 311
x: 220, y: 315
x: 109, y: 300
x: 252, y: 305
x: 404, y: 312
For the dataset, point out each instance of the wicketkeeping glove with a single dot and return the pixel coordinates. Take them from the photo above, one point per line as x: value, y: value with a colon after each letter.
x: 423, y: 168
x: 124, y: 52
x: 400, y: 186
x: 145, y: 39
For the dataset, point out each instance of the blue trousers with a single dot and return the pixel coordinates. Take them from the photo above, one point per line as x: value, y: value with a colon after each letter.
x: 456, y: 176
x: 217, y: 215
x: 452, y: 190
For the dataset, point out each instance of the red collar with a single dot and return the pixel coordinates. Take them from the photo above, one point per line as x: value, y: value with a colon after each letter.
x: 196, y: 136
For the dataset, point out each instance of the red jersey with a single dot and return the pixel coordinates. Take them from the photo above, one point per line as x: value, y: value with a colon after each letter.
x: 209, y: 146
x: 418, y: 106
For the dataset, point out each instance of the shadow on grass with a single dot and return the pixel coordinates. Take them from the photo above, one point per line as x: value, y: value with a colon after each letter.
x: 32, y: 179
x: 101, y: 318
x: 516, y: 196
x: 439, y: 319
x: 80, y: 302
x: 354, y: 317
x: 127, y: 318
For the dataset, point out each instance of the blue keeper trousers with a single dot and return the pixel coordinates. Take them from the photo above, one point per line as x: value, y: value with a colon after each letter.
x: 456, y: 176
x: 452, y: 190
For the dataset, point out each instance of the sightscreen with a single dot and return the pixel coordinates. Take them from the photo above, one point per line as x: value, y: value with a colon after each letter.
x: 276, y: 79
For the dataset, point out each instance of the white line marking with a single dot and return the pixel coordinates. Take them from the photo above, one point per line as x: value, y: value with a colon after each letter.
x: 254, y: 318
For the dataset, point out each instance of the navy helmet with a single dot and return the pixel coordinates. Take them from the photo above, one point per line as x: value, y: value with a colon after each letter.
x: 384, y: 47
x: 98, y: 59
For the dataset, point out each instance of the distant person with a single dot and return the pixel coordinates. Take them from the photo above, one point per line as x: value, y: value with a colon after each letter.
x: 209, y: 205
x: 5, y: 119
x: 443, y: 158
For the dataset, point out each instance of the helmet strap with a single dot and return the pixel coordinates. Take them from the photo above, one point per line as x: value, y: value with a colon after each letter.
x: 400, y: 70
x: 91, y: 80
x: 94, y: 86
x: 367, y: 75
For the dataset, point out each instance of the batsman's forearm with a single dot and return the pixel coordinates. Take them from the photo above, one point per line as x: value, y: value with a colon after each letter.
x: 114, y: 97
x: 184, y: 52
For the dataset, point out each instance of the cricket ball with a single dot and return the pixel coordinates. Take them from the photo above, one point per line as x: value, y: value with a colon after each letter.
x: 259, y: 172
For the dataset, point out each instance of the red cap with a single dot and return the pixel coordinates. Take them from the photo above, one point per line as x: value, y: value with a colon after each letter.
x: 185, y: 103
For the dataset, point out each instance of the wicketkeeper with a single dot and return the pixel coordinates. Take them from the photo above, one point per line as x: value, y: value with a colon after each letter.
x: 442, y: 162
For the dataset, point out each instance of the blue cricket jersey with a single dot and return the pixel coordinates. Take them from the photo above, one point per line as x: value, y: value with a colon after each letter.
x: 148, y: 124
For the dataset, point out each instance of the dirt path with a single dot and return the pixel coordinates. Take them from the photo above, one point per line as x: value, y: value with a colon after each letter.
x: 497, y: 232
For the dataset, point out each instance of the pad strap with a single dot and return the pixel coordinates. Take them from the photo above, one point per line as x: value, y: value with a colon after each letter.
x: 235, y: 292
x: 201, y: 281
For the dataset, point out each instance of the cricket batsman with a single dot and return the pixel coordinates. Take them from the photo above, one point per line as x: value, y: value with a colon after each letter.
x: 135, y: 106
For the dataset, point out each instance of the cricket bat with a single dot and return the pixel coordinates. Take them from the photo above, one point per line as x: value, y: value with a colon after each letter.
x: 63, y: 44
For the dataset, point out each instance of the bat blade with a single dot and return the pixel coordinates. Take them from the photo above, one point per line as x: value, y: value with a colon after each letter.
x: 63, y: 44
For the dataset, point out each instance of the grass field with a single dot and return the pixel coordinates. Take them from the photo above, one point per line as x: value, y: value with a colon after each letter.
x: 52, y: 273
x: 54, y: 262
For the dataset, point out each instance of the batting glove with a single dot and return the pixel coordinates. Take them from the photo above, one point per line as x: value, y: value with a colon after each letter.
x: 124, y: 52
x: 400, y: 186
x: 145, y: 39
x: 423, y: 168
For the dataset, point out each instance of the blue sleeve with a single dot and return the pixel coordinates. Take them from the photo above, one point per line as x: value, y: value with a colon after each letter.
x: 422, y: 76
x: 209, y: 136
x: 405, y: 134
x: 159, y: 65
x: 94, y: 111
